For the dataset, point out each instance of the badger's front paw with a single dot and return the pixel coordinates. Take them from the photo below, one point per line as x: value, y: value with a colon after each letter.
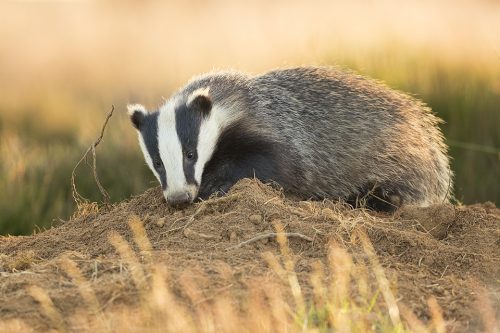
x: 217, y: 189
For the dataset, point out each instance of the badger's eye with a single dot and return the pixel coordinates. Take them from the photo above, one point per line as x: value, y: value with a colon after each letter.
x: 189, y: 155
x: 157, y: 162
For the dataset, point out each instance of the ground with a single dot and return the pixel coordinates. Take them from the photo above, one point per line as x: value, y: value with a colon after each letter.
x: 226, y: 249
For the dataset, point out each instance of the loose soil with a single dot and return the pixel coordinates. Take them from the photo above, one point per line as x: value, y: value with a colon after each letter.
x: 445, y: 251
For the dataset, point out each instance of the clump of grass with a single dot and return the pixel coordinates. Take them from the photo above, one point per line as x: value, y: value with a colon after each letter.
x: 19, y: 262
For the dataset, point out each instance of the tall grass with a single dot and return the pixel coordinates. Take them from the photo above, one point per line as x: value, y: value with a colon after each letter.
x: 64, y: 64
x: 35, y: 180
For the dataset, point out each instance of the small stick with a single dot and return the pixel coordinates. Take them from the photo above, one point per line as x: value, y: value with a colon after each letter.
x: 191, y: 218
x: 76, y: 196
x: 270, y: 235
x: 442, y: 274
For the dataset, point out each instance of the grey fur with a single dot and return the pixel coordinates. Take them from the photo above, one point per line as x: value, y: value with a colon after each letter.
x: 343, y: 134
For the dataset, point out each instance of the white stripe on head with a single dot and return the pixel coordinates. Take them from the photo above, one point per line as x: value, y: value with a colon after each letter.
x: 149, y: 160
x: 170, y: 149
x: 210, y: 130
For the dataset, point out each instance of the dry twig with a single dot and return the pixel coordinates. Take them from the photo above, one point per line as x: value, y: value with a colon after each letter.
x: 269, y: 235
x: 199, y: 210
x: 77, y: 196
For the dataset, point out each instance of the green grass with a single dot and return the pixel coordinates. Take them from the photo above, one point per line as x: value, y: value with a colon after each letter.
x: 35, y: 176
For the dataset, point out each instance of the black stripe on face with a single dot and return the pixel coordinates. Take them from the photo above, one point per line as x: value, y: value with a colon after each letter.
x: 187, y: 123
x: 149, y: 132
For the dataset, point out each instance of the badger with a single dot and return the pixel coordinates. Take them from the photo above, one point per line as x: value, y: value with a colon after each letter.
x: 317, y: 132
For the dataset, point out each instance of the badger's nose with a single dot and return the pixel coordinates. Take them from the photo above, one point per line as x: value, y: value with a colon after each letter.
x: 180, y: 199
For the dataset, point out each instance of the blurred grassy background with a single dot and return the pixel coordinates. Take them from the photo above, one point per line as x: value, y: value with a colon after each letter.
x: 63, y: 64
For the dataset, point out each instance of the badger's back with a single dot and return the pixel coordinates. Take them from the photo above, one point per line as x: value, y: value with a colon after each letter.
x: 338, y: 135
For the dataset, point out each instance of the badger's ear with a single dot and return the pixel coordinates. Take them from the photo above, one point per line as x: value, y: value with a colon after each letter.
x: 137, y: 113
x: 200, y: 100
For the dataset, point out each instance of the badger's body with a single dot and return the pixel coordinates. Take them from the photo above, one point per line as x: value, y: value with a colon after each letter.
x: 317, y: 132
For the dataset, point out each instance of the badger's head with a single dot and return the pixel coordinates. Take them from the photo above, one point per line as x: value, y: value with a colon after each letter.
x: 177, y: 141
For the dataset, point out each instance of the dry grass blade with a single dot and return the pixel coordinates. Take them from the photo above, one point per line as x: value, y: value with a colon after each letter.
x: 191, y: 283
x: 274, y: 263
x: 289, y: 264
x: 48, y: 307
x: 340, y: 264
x: 258, y: 316
x: 79, y: 199
x: 317, y: 282
x: 414, y: 324
x: 15, y: 325
x: 381, y: 278
x: 491, y: 323
x: 166, y: 313
x: 141, y: 237
x: 128, y: 256
x: 224, y: 308
x: 271, y: 235
x: 87, y: 293
x: 278, y: 308
x: 437, y: 315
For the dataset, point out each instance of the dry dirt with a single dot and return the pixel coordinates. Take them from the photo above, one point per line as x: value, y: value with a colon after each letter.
x: 443, y: 251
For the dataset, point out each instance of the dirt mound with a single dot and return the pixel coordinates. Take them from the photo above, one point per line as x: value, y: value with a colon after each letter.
x: 442, y: 251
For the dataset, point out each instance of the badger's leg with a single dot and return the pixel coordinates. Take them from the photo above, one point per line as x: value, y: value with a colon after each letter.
x: 220, y: 178
x: 220, y: 187
x: 382, y: 198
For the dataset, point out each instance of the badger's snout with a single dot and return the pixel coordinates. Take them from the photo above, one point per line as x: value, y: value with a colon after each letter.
x: 179, y: 199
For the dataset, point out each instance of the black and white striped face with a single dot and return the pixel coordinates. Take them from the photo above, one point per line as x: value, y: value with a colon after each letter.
x: 177, y: 141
